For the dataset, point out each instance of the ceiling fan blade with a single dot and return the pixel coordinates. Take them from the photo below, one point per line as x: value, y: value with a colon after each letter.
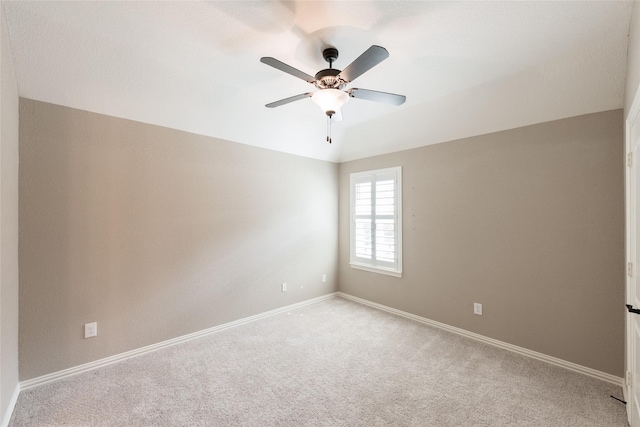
x: 279, y: 65
x: 369, y: 59
x: 288, y: 100
x: 373, y: 95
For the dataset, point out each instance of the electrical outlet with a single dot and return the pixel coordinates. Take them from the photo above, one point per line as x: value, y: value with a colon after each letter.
x: 324, y: 278
x: 90, y: 329
x: 284, y: 287
x: 477, y: 309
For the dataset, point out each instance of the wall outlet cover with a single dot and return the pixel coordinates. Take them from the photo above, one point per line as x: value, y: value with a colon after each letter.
x: 477, y: 308
x: 91, y: 329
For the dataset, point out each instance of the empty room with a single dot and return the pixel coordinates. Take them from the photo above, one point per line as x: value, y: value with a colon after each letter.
x: 320, y: 213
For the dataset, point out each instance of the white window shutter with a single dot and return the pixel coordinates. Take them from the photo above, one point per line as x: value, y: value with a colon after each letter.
x: 376, y: 229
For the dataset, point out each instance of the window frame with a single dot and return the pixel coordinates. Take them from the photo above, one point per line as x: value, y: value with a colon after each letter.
x: 375, y: 265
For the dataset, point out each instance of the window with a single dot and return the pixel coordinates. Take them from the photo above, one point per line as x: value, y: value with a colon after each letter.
x: 376, y: 221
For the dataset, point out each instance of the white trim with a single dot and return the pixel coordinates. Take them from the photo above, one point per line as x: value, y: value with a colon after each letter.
x: 55, y: 376
x: 11, y: 406
x: 501, y: 344
x: 625, y: 397
x: 635, y: 105
x: 379, y: 270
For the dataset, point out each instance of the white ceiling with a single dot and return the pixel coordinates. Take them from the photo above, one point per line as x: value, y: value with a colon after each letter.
x: 467, y: 68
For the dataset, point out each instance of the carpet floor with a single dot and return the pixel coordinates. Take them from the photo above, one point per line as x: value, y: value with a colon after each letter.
x: 332, y: 363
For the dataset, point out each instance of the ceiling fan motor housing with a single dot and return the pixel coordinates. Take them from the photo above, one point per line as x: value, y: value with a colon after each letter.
x: 328, y: 79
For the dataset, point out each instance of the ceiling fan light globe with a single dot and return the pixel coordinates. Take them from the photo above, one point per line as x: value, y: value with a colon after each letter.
x: 330, y: 100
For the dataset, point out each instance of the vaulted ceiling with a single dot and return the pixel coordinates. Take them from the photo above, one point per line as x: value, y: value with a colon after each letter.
x: 467, y: 68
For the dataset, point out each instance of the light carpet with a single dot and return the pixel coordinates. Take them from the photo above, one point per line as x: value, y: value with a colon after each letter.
x: 333, y: 363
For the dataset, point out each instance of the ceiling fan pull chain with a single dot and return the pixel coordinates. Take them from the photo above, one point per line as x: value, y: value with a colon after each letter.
x: 329, y: 129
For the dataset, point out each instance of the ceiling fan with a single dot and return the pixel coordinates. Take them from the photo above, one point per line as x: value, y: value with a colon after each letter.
x: 331, y: 94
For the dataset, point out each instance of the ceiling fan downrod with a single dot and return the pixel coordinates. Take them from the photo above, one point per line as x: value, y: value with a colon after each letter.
x: 330, y: 54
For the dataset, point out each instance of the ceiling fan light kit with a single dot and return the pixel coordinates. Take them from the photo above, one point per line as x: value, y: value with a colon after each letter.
x: 330, y: 82
x: 330, y: 100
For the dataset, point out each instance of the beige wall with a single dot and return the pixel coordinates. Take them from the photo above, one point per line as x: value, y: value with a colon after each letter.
x: 529, y: 222
x: 8, y: 224
x: 155, y: 233
x: 633, y: 59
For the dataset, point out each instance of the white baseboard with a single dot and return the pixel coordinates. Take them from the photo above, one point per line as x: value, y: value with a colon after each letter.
x: 501, y: 344
x: 34, y: 382
x: 11, y: 406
